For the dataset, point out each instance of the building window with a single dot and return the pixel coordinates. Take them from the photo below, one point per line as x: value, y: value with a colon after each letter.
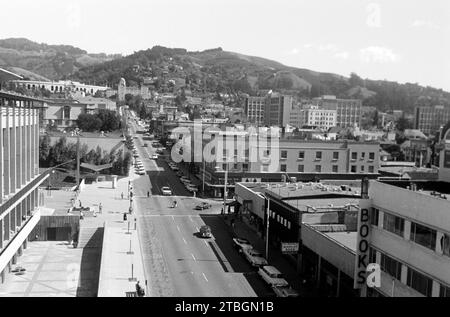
x: 394, y: 224
x: 224, y: 167
x: 445, y: 245
x: 335, y: 155
x: 353, y: 169
x: 283, y: 167
x: 265, y: 168
x: 445, y: 291
x: 374, y: 216
x: 423, y: 235
x: 362, y: 169
x: 372, y: 255
x: 363, y: 155
x: 235, y: 166
x: 419, y: 282
x: 371, y: 169
x: 301, y: 155
x: 318, y: 155
x: 301, y: 168
x: 335, y: 168
x: 391, y: 266
x: 284, y: 154
x: 318, y: 168
x: 354, y: 156
x: 371, y: 156
x: 245, y: 167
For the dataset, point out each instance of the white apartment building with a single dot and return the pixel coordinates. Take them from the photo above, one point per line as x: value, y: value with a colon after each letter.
x: 321, y: 118
x: 59, y: 86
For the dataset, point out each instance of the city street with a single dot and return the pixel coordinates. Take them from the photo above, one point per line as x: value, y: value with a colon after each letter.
x: 178, y: 262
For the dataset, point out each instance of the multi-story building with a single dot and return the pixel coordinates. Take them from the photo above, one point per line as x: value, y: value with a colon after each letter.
x: 277, y: 110
x: 254, y: 109
x: 297, y: 116
x: 321, y: 118
x: 430, y: 119
x: 19, y: 175
x: 304, y: 160
x: 59, y: 86
x: 409, y: 237
x: 122, y: 90
x: 348, y: 111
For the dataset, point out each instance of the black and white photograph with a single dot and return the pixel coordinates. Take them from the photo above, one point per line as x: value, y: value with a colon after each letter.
x: 219, y: 155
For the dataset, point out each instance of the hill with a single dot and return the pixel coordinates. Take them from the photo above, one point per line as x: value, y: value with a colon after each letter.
x: 53, y: 62
x: 213, y: 70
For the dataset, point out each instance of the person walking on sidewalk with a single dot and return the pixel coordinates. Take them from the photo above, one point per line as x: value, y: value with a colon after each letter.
x: 100, y: 208
x: 121, y: 195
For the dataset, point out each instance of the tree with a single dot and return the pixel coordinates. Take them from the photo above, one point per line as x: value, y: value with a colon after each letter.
x: 89, y: 122
x: 44, y: 149
x: 403, y: 124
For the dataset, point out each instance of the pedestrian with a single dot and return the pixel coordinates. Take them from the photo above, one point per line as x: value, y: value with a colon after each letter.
x: 148, y: 194
x: 100, y: 208
x: 124, y: 216
x: 122, y: 195
x: 81, y: 215
x: 80, y: 204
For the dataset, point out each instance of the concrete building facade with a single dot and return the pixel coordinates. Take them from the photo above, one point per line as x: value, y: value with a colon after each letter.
x: 19, y: 176
x: 430, y: 119
x: 254, y: 110
x: 59, y: 86
x: 348, y: 111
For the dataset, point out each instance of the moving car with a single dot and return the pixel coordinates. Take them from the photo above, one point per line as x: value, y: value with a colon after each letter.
x: 285, y: 291
x: 205, y: 232
x: 254, y: 257
x: 241, y: 243
x: 272, y: 276
x: 166, y: 191
x: 203, y: 206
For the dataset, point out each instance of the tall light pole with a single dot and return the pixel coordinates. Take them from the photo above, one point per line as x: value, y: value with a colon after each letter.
x: 203, y: 183
x: 225, y: 188
x: 267, y: 228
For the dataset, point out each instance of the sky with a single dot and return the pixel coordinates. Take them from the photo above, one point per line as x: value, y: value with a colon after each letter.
x: 398, y: 40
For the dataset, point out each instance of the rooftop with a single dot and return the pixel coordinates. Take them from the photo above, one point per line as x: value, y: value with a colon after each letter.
x: 292, y: 191
x: 347, y: 239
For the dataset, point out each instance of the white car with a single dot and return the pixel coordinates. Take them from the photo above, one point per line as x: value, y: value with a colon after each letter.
x: 254, y: 257
x: 272, y: 276
x: 241, y: 244
x: 155, y: 156
x: 166, y: 191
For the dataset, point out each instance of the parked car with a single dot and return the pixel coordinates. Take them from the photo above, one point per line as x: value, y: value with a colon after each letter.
x: 180, y: 174
x: 191, y: 188
x: 272, y: 276
x: 155, y: 156
x: 241, y: 243
x: 184, y: 178
x: 254, y: 257
x: 285, y: 291
x: 203, y: 206
x: 205, y: 232
x: 166, y: 191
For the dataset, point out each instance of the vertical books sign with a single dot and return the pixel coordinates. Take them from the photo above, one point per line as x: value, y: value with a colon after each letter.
x: 363, y: 238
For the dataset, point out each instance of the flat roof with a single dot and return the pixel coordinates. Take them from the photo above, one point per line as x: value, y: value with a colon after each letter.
x: 288, y: 191
x: 346, y: 238
x: 327, y: 204
x: 16, y: 96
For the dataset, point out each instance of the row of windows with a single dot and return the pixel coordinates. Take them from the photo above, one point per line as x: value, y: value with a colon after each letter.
x: 419, y: 234
x: 280, y: 219
x: 414, y: 279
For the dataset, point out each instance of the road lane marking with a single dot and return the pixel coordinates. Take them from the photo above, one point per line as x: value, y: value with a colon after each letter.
x: 184, y: 241
x: 190, y: 218
x: 204, y: 276
x: 193, y: 257
x: 173, y: 218
x: 178, y: 228
x: 206, y: 243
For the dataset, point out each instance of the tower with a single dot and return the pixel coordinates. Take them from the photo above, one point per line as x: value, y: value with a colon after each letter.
x: 122, y: 89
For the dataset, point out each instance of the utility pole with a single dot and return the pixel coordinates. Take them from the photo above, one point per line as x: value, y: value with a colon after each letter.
x: 225, y: 188
x: 204, y: 163
x: 267, y: 228
x: 78, y: 159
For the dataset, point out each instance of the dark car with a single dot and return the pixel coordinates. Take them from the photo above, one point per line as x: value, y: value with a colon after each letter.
x: 203, y: 206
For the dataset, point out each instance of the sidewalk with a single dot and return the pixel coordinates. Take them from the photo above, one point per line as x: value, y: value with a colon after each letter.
x: 116, y: 263
x: 276, y: 258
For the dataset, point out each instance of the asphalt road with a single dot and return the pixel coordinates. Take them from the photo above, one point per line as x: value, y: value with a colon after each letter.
x: 177, y: 261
